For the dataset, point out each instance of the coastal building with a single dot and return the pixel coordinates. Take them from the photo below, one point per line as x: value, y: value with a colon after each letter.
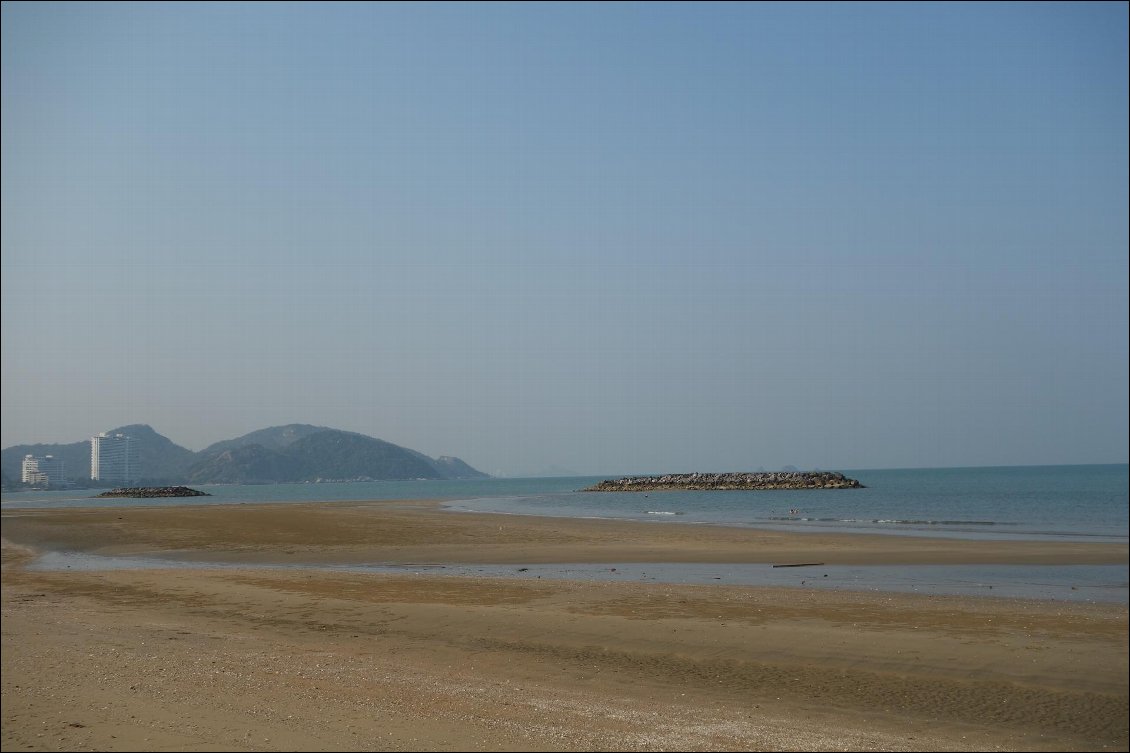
x: 42, y: 471
x: 113, y: 458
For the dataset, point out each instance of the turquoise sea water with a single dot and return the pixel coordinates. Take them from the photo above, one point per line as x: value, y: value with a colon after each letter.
x: 1077, y: 502
x: 1087, y: 503
x: 1047, y: 503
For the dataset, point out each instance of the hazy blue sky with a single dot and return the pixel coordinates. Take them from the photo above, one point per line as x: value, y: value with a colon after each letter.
x: 610, y: 237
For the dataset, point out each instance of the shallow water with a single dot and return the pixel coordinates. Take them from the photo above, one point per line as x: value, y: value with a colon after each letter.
x: 1046, y: 503
x: 1086, y: 583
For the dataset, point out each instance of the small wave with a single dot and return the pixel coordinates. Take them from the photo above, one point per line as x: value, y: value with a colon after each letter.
x: 945, y: 522
x: 799, y: 519
x: 893, y: 521
x: 662, y: 512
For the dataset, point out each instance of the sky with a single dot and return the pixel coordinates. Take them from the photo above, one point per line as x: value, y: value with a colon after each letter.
x: 611, y: 238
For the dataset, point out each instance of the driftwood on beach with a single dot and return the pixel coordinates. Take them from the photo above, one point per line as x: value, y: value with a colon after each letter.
x: 154, y: 491
x: 729, y: 481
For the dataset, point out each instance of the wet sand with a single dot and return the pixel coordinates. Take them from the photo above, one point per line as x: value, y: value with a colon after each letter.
x: 268, y: 659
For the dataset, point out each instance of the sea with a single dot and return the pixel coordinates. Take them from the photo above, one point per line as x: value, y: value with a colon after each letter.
x: 1083, y: 503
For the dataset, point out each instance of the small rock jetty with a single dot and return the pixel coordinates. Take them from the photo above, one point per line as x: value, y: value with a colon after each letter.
x: 729, y: 481
x: 154, y: 491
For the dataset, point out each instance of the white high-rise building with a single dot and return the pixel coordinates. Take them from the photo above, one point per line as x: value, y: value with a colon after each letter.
x: 113, y: 458
x: 42, y: 471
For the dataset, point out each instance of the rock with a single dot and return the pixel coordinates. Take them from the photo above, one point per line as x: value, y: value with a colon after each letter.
x: 154, y: 491
x: 729, y: 481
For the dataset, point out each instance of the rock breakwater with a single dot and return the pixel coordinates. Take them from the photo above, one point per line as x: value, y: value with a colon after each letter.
x: 729, y: 481
x: 154, y: 491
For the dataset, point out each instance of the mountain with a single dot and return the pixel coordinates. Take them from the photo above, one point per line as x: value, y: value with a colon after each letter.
x: 450, y: 467
x: 294, y: 452
x: 321, y: 455
x: 344, y: 455
x: 337, y: 455
x: 160, y: 460
x: 249, y: 464
x: 75, y: 457
x: 273, y: 438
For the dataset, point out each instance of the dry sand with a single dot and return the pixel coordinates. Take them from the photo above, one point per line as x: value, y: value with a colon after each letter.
x: 267, y: 659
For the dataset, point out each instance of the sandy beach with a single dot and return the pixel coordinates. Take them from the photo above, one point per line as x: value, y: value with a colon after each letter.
x: 263, y: 658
